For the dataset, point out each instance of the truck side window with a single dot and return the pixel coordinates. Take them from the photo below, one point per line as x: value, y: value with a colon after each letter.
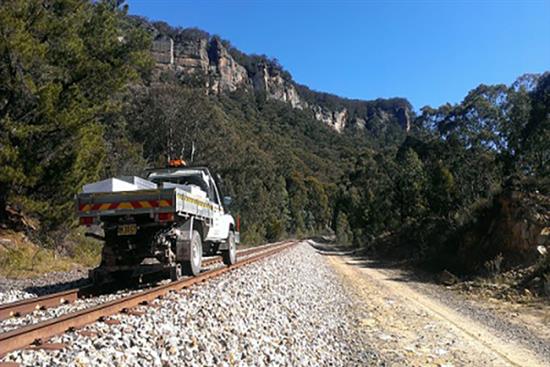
x: 211, y: 193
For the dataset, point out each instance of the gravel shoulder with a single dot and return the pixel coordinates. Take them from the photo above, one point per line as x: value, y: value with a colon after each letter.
x: 15, y: 289
x: 412, y: 323
x: 303, y: 307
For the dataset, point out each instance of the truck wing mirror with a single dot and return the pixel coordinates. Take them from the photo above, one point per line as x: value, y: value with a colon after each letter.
x: 227, y: 200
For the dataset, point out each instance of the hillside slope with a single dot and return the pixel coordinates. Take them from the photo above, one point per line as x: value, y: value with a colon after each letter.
x: 113, y: 94
x: 280, y: 147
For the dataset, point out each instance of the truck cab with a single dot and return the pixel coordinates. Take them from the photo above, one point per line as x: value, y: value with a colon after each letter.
x: 200, y: 177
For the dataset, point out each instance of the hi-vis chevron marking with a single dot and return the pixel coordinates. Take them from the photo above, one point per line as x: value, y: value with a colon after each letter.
x: 195, y: 201
x: 141, y: 204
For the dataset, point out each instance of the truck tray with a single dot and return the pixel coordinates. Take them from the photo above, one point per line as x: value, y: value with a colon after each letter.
x: 166, y: 200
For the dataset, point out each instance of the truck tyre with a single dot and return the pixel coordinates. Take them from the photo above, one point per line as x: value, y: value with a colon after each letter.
x: 230, y: 255
x: 193, y: 265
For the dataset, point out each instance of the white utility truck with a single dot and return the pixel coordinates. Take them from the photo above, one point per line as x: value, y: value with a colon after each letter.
x: 163, y: 223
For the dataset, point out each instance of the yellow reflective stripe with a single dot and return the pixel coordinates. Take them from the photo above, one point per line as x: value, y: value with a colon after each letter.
x: 195, y: 201
x: 164, y: 203
x: 146, y: 205
x: 125, y: 205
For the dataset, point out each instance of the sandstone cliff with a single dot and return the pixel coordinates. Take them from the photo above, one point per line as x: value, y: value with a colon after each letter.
x: 209, y: 62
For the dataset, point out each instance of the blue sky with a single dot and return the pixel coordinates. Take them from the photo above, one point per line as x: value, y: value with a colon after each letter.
x: 430, y: 52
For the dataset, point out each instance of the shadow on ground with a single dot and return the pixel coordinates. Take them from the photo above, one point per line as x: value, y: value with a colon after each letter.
x: 403, y: 270
x: 42, y: 290
x: 85, y: 283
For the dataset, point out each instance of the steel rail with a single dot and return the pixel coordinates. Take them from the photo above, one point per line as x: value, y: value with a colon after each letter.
x: 26, y: 306
x: 42, y: 331
x: 30, y: 305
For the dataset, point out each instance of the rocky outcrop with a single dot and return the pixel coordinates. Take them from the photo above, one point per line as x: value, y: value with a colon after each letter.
x: 162, y: 50
x: 359, y: 123
x: 335, y: 119
x: 222, y: 73
x: 196, y: 57
x: 201, y: 56
x: 190, y: 56
x: 228, y: 74
x: 404, y: 117
x: 276, y: 87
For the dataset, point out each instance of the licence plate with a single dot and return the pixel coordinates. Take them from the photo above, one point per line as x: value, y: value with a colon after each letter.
x: 126, y: 230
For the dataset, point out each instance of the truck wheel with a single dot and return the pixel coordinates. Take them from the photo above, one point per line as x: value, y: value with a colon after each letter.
x: 193, y: 265
x: 230, y: 255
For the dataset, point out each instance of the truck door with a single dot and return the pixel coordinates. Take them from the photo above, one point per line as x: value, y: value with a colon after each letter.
x: 218, y: 231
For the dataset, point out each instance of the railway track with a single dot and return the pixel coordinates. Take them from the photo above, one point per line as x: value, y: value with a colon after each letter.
x: 42, y: 331
x: 27, y: 306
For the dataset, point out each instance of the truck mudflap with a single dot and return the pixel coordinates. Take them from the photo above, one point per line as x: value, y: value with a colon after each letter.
x: 183, y: 242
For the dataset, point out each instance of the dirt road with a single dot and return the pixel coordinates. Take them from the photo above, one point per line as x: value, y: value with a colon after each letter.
x: 410, y: 326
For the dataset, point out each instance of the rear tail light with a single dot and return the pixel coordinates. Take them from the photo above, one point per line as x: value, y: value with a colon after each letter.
x: 87, y: 221
x: 166, y: 217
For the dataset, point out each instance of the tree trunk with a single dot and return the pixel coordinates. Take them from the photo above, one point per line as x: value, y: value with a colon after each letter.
x: 3, y: 204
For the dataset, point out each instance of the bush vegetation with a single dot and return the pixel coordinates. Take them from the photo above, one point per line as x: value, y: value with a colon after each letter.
x: 79, y: 102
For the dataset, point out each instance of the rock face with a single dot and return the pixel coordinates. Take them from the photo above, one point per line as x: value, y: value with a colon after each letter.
x: 359, y: 123
x: 207, y: 62
x: 335, y: 119
x: 272, y: 83
x: 228, y: 74
x: 163, y: 50
x: 190, y: 55
x: 404, y: 117
x: 201, y: 57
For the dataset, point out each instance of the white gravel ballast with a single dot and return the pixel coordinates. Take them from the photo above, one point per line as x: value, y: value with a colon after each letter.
x: 287, y: 310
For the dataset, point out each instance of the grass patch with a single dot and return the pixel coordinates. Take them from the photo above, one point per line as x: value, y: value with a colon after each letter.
x: 86, y: 251
x: 20, y: 258
x: 27, y: 260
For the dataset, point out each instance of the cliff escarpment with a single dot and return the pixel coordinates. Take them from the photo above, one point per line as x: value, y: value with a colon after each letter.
x: 201, y: 60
